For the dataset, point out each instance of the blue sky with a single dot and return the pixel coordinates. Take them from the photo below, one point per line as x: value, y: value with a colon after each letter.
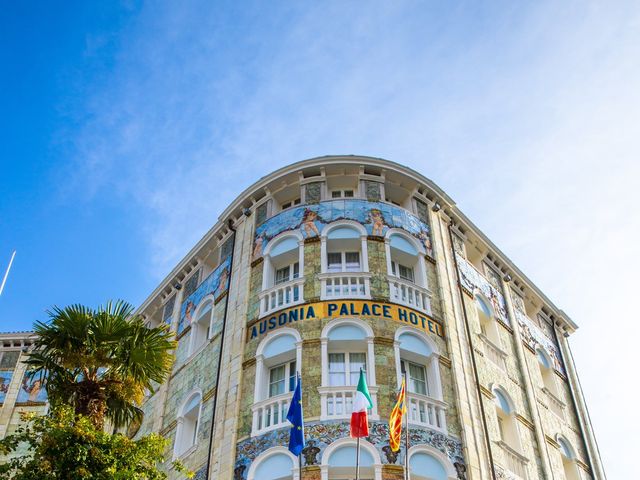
x: 128, y: 127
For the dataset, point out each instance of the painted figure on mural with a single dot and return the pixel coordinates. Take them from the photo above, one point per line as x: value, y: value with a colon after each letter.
x: 222, y: 283
x: 32, y: 388
x: 4, y: 386
x: 257, y: 247
x: 188, y: 313
x: 426, y: 240
x: 308, y: 225
x: 377, y: 222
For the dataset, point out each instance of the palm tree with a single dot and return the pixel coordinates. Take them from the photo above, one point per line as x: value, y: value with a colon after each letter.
x: 100, y: 361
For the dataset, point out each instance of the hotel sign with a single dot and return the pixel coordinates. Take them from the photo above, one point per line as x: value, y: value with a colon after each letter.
x: 345, y: 309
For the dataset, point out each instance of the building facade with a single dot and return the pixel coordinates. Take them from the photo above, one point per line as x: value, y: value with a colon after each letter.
x: 339, y: 263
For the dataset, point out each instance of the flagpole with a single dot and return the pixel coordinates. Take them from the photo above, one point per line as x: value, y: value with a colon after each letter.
x: 300, y: 454
x: 358, y: 458
x: 406, y: 434
x: 6, y: 274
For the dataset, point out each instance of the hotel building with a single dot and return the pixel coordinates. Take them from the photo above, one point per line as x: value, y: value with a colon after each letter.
x: 342, y: 263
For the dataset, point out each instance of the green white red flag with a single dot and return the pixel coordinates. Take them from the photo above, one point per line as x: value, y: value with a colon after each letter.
x: 361, y: 403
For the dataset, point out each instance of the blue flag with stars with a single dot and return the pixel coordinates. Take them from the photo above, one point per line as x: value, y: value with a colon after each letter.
x: 296, y: 436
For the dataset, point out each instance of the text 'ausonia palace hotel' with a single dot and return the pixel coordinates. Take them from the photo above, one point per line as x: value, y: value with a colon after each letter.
x: 340, y: 263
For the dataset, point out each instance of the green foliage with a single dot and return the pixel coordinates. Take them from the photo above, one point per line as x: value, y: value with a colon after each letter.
x: 100, y: 361
x: 63, y: 445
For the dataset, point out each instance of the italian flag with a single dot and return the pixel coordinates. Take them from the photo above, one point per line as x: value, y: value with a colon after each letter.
x: 361, y: 402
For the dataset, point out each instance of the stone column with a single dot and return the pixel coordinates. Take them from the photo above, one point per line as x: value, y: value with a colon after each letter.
x: 581, y: 408
x: 6, y: 411
x: 474, y: 445
x: 528, y: 384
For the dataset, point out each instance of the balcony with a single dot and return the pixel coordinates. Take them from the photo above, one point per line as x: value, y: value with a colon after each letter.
x: 409, y: 294
x: 270, y: 414
x: 281, y: 296
x: 495, y: 354
x: 345, y: 285
x: 424, y: 411
x: 514, y: 461
x: 337, y: 402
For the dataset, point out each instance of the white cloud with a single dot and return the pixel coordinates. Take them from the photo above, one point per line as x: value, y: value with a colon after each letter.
x: 528, y: 116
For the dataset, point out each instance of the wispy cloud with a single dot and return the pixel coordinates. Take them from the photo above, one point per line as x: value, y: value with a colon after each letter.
x: 527, y: 115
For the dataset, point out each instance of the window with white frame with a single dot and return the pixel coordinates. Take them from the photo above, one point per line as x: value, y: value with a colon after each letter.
x: 283, y: 266
x: 488, y: 324
x: 282, y: 378
x: 287, y: 273
x: 201, y: 327
x: 187, y: 425
x: 568, y: 460
x: 343, y: 262
x: 417, y: 360
x: 291, y: 203
x: 277, y: 361
x: 344, y: 367
x: 407, y: 272
x: 416, y: 377
x: 403, y: 271
x: 507, y: 423
x: 342, y: 193
x: 547, y: 373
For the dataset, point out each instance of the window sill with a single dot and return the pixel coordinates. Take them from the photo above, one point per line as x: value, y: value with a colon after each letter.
x: 186, y: 453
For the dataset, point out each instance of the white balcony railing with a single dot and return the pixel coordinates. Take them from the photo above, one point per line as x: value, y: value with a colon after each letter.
x: 270, y: 414
x: 337, y: 402
x: 409, y: 294
x: 426, y: 412
x: 515, y: 462
x: 345, y: 285
x: 494, y: 353
x: 281, y: 296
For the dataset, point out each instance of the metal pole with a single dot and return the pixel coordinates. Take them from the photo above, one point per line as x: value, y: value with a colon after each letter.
x: 406, y: 432
x: 6, y: 274
x: 358, y: 458
x: 300, y: 466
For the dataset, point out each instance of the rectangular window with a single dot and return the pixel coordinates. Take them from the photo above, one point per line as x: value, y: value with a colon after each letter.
x: 352, y: 261
x: 167, y: 312
x: 276, y: 380
x: 356, y: 362
x: 9, y: 359
x: 416, y: 378
x: 336, y: 194
x: 292, y: 376
x: 290, y: 204
x: 337, y: 369
x: 334, y: 260
x: 342, y: 194
x: 422, y: 210
x: 282, y: 275
x: 261, y: 214
x: 348, y: 194
x: 191, y: 284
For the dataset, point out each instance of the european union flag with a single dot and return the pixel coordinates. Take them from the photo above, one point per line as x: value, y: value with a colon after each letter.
x: 296, y: 436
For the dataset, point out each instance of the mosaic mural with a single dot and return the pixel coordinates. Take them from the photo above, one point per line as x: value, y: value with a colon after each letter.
x: 377, y: 217
x: 31, y: 390
x: 320, y: 435
x: 5, y: 380
x: 533, y: 336
x: 217, y: 283
x: 471, y: 279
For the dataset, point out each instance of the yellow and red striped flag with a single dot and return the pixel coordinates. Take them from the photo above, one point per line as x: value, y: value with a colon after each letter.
x: 395, y: 420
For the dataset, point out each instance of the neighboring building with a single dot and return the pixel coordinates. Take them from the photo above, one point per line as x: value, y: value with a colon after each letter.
x: 18, y: 393
x: 339, y: 263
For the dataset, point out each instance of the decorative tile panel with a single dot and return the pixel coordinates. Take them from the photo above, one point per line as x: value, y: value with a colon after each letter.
x: 5, y: 380
x: 320, y: 435
x: 31, y: 390
x: 167, y: 313
x: 313, y: 192
x: 471, y: 279
x: 217, y: 283
x: 533, y: 336
x: 372, y: 191
x: 376, y: 217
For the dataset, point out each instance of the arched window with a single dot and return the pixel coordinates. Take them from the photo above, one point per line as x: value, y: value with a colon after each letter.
x: 346, y: 347
x: 508, y: 433
x: 282, y: 273
x: 339, y: 461
x: 276, y: 463
x: 187, y: 425
x: 568, y: 460
x: 416, y: 357
x: 550, y: 383
x: 201, y: 326
x: 277, y: 361
x: 427, y: 463
x: 344, y: 261
x: 489, y: 332
x: 406, y: 271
